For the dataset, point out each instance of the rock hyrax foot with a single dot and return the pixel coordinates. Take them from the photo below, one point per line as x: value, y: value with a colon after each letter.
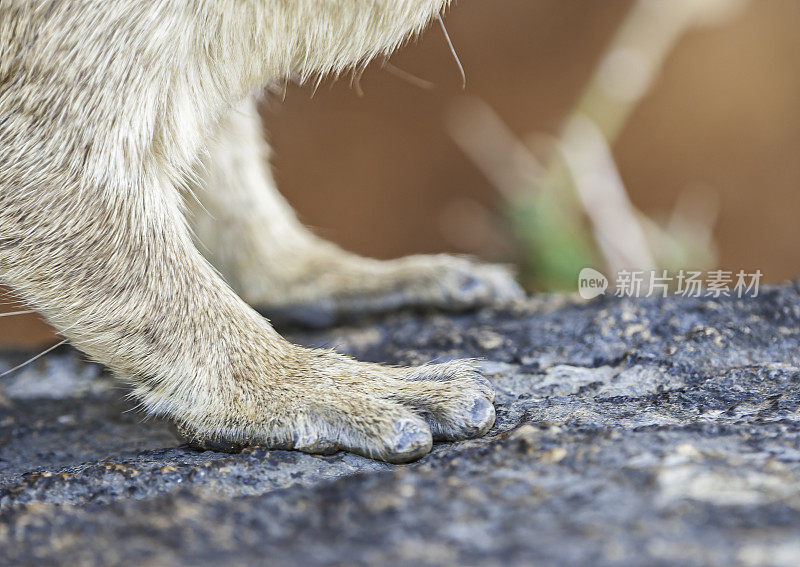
x: 439, y: 281
x: 387, y: 413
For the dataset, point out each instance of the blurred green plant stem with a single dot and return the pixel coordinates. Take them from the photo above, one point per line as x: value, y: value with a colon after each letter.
x: 574, y: 211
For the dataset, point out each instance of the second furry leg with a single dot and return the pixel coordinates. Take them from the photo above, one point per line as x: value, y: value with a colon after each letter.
x: 254, y: 238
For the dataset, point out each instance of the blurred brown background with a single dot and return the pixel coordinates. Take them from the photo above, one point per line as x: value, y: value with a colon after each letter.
x: 380, y: 174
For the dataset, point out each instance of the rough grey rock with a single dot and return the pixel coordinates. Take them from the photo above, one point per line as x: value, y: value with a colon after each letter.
x: 629, y: 432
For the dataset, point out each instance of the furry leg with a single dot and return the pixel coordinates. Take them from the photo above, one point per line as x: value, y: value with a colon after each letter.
x: 117, y: 274
x: 253, y: 237
x: 103, y: 107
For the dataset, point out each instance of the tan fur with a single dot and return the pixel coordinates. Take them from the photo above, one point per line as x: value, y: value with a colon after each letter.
x: 107, y: 109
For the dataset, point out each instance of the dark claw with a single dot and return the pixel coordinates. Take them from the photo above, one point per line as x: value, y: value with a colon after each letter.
x: 482, y: 416
x: 470, y: 283
x: 411, y: 442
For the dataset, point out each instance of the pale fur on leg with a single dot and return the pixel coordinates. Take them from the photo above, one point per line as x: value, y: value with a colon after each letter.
x: 250, y: 233
x: 104, y: 109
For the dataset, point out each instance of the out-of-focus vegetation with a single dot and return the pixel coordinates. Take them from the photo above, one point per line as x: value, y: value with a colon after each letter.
x: 564, y: 197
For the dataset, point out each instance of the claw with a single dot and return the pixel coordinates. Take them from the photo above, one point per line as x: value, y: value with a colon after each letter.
x: 411, y: 442
x: 481, y: 417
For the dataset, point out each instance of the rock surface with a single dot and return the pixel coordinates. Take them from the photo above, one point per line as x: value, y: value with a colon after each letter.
x: 629, y: 432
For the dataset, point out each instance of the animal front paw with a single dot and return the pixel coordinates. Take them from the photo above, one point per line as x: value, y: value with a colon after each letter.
x: 386, y: 413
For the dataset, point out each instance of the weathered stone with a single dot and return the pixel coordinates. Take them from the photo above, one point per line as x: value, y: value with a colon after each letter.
x: 629, y: 432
